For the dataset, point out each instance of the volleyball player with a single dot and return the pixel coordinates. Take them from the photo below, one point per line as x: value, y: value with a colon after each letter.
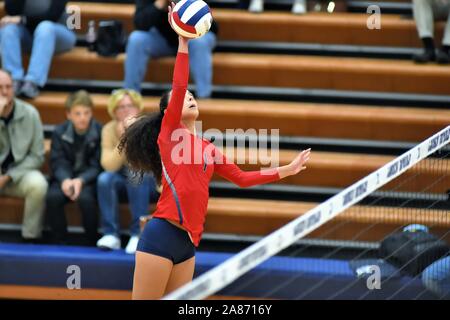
x: 165, y: 257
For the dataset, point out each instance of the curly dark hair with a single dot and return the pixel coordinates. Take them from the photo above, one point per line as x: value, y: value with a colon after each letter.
x: 139, y: 142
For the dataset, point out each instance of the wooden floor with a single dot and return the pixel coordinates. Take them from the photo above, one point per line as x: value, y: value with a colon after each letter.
x: 48, y: 293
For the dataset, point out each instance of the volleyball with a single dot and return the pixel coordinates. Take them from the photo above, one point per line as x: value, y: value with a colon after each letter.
x: 191, y: 18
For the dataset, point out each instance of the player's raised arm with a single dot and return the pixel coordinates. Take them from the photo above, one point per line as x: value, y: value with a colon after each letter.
x: 180, y: 81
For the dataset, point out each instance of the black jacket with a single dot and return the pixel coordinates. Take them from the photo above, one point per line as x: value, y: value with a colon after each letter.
x: 62, y: 155
x: 148, y: 16
x: 56, y: 12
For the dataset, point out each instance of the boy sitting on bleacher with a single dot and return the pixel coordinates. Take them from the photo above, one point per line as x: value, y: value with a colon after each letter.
x: 21, y: 155
x: 75, y: 165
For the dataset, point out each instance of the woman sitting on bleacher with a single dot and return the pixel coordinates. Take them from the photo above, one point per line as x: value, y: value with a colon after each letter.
x: 114, y: 183
x: 40, y: 27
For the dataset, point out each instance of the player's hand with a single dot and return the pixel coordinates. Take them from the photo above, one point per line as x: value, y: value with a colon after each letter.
x: 181, y: 39
x: 298, y: 164
x: 169, y: 13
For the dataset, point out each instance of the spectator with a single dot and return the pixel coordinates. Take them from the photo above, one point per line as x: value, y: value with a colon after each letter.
x: 113, y: 184
x: 75, y: 165
x: 154, y: 38
x: 299, y: 6
x: 38, y: 26
x: 21, y: 156
x: 425, y: 12
x: 436, y: 278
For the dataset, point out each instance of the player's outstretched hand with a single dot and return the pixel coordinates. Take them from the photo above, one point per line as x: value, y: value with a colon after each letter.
x: 297, y: 165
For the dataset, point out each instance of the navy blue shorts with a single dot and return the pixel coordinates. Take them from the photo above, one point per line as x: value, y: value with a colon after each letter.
x: 163, y: 239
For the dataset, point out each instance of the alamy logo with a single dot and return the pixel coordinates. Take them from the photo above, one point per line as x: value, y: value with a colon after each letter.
x: 373, y: 274
x: 73, y: 21
x: 74, y: 280
x: 263, y: 148
x: 374, y: 21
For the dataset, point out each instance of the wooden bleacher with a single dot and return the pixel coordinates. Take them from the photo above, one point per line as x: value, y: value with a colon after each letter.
x: 261, y: 217
x: 339, y: 170
x: 339, y: 28
x: 292, y: 118
x: 360, y: 74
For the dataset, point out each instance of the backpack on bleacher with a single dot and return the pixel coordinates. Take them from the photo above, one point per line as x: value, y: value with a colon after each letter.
x: 111, y: 38
x: 412, y: 252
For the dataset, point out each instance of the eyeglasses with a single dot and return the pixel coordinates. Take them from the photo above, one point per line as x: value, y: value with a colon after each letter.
x: 126, y: 106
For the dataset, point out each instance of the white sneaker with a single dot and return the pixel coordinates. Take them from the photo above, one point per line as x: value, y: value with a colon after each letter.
x: 109, y: 242
x: 132, y: 245
x: 256, y: 6
x: 299, y: 7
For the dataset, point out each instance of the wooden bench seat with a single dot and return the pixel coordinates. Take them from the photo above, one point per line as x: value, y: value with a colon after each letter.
x: 292, y: 118
x: 333, y: 73
x: 338, y: 28
x: 260, y: 217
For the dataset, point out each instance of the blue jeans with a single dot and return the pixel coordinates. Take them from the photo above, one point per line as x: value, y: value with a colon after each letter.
x: 48, y: 38
x: 115, y: 186
x: 143, y: 45
x: 436, y: 277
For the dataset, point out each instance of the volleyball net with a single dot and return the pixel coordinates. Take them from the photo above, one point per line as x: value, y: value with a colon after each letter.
x: 353, y: 244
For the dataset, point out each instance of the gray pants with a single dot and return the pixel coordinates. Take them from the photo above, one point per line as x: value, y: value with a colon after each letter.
x: 426, y: 12
x: 33, y: 187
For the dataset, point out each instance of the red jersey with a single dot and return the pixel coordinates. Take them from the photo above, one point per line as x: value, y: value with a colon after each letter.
x: 189, y: 162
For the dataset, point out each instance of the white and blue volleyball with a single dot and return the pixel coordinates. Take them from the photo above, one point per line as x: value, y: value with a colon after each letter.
x: 191, y: 18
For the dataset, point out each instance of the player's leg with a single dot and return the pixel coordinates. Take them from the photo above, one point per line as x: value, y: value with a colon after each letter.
x: 181, y: 274
x: 151, y: 275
